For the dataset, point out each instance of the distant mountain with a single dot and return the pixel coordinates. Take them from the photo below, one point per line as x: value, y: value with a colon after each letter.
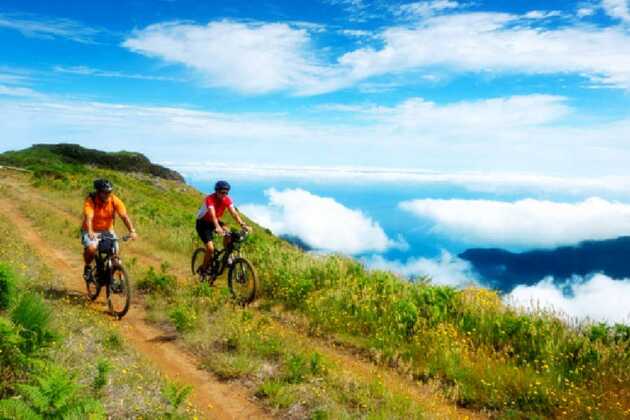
x: 504, y: 269
x: 57, y: 157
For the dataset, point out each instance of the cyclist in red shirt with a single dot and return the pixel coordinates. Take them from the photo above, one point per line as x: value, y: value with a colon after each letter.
x: 209, y: 217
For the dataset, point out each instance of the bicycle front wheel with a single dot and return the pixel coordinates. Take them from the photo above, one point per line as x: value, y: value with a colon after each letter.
x: 119, y: 293
x: 92, y: 285
x: 243, y: 281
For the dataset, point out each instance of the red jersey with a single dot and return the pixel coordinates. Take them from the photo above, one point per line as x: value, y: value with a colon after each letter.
x: 218, y: 204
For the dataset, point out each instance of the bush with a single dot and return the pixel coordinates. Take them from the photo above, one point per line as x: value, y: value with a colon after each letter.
x: 103, y: 367
x: 162, y: 283
x: 12, y: 360
x: 175, y: 395
x: 184, y: 318
x: 33, y: 316
x: 7, y: 287
x: 55, y: 395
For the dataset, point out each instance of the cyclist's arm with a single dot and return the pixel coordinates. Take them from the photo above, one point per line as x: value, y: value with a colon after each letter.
x: 88, y: 215
x: 122, y: 212
x: 127, y: 221
x: 236, y: 216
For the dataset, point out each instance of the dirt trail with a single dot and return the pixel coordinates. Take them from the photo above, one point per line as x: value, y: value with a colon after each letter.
x: 213, y: 399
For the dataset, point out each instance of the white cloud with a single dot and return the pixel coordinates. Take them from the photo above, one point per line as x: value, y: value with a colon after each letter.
x: 585, y: 11
x: 248, y: 57
x: 598, y: 298
x: 18, y: 91
x: 497, y: 43
x: 529, y: 223
x: 49, y: 28
x: 89, y: 71
x: 619, y: 9
x: 494, y: 43
x: 540, y: 14
x: 513, y: 112
x: 424, y: 9
x: 445, y: 270
x: 320, y: 222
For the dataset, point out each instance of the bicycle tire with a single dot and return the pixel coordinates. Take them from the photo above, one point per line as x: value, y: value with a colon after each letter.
x: 252, y: 285
x: 125, y: 293
x: 197, y: 260
x: 93, y: 294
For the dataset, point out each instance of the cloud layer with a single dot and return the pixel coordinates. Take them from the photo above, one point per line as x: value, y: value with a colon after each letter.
x: 321, y: 222
x: 598, y: 298
x: 445, y: 270
x: 458, y: 141
x: 523, y: 223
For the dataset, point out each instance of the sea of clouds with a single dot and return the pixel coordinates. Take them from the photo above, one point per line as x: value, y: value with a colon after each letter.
x: 326, y: 225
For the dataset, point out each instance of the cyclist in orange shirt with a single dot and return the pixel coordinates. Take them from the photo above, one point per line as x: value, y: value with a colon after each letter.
x: 99, y: 213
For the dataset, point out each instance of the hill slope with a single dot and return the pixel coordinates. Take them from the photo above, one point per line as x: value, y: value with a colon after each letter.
x: 55, y: 159
x: 327, y: 336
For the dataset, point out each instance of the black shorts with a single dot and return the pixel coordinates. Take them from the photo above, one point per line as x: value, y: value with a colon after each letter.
x: 206, y: 229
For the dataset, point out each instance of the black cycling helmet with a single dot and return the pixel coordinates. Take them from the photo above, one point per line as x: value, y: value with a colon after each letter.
x: 103, y: 185
x: 222, y: 185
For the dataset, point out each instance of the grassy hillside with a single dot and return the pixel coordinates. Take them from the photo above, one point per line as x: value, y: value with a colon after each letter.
x: 480, y: 354
x: 55, y: 160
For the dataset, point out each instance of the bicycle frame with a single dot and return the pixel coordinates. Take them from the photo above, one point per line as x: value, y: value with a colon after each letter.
x: 108, y: 260
x: 232, y: 249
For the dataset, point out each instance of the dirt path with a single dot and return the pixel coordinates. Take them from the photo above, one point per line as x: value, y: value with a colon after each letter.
x: 213, y: 399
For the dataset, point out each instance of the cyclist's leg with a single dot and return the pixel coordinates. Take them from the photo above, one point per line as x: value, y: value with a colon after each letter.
x: 209, y: 254
x: 89, y: 250
x: 226, y: 238
x: 205, y: 231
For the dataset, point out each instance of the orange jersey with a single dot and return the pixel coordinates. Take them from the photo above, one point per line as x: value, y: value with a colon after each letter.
x: 102, y: 213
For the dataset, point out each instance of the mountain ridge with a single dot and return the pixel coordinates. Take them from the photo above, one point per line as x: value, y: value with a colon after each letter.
x: 39, y: 157
x: 504, y: 269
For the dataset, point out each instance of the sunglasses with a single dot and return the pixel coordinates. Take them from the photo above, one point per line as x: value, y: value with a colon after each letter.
x: 223, y: 192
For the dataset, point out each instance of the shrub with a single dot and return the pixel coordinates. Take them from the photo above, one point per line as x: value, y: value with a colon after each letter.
x: 7, y: 286
x: 55, y: 395
x: 297, y: 367
x: 113, y: 341
x: 12, y: 360
x: 184, y: 318
x: 103, y: 367
x: 175, y: 394
x: 162, y: 283
x: 33, y: 316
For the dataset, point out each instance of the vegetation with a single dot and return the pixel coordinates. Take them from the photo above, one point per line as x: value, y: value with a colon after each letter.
x: 485, y: 355
x: 58, y: 360
x: 72, y: 157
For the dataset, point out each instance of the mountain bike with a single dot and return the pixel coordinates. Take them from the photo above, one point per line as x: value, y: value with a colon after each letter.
x: 108, y: 271
x: 242, y: 278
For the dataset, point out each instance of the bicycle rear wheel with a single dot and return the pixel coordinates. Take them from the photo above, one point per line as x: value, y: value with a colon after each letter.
x: 119, y: 292
x: 243, y: 281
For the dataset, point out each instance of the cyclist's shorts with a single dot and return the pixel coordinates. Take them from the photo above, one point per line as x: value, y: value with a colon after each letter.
x: 86, y: 241
x: 206, y: 229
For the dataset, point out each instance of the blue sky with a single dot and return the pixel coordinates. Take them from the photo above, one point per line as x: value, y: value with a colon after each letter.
x: 535, y: 87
